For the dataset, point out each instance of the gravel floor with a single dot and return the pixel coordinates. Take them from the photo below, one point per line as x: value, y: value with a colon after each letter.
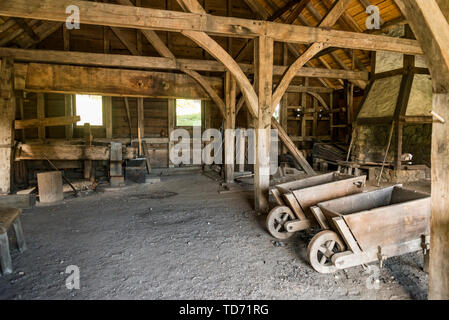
x: 181, y: 239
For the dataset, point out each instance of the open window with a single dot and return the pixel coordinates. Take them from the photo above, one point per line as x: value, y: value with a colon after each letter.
x: 188, y: 113
x: 90, y: 109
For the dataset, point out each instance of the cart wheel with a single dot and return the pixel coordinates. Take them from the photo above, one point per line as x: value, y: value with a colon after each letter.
x: 276, y: 220
x: 321, y: 249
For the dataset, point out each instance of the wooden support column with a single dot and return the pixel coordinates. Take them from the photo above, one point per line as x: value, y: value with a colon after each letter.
x: 439, y: 222
x: 7, y: 114
x: 241, y: 149
x: 88, y: 141
x: 263, y: 65
x: 22, y: 113
x: 315, y: 117
x: 304, y: 117
x: 403, y: 99
x: 401, y: 109
x: 171, y: 127
x: 68, y: 98
x: 283, y: 112
x: 331, y: 115
x: 69, y: 110
x: 230, y: 93
x: 107, y: 103
x: 140, y: 123
x: 41, y: 114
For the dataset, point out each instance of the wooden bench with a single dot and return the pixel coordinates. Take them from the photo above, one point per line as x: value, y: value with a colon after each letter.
x: 9, y: 217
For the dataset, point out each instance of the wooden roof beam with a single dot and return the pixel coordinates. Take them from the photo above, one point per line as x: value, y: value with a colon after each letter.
x: 145, y: 18
x: 297, y: 11
x: 158, y: 63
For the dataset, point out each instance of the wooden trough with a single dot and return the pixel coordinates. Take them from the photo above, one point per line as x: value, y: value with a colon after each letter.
x: 368, y: 227
x: 296, y: 198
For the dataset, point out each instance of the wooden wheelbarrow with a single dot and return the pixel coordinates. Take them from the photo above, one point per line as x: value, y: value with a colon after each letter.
x: 295, y: 199
x: 368, y: 227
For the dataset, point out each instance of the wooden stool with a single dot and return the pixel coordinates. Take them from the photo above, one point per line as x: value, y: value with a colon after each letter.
x: 9, y: 217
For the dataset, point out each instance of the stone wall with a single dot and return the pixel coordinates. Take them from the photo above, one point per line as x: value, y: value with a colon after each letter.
x: 370, y: 142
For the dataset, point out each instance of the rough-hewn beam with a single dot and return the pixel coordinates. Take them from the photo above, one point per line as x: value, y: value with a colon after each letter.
x: 109, y: 82
x: 45, y: 122
x: 7, y: 114
x: 66, y: 152
x: 145, y: 18
x: 127, y: 61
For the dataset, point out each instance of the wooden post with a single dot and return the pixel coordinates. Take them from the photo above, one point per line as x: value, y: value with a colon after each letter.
x: 171, y: 127
x: 263, y: 66
x: 22, y: 113
x: 304, y: 117
x: 283, y: 112
x: 128, y: 115
x: 68, y: 105
x: 116, y: 169
x: 439, y: 222
x: 7, y: 115
x: 88, y: 141
x: 230, y: 92
x: 315, y: 117
x: 331, y: 115
x: 141, y: 116
x: 241, y: 148
x: 107, y: 101
x: 68, y: 99
x: 403, y: 99
x: 41, y: 114
x: 139, y: 33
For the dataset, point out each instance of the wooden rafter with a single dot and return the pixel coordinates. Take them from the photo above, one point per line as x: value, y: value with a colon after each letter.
x: 297, y: 11
x: 28, y: 30
x: 281, y: 11
x: 330, y: 19
x: 333, y: 54
x: 263, y: 14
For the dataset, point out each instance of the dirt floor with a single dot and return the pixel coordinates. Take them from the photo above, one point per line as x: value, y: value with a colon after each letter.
x: 181, y: 239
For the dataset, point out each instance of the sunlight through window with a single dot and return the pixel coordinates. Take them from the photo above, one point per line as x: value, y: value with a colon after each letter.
x: 276, y: 113
x: 90, y: 109
x: 188, y: 113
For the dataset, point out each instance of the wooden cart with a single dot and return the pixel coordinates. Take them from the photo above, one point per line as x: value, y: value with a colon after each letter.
x: 295, y: 199
x: 368, y: 227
